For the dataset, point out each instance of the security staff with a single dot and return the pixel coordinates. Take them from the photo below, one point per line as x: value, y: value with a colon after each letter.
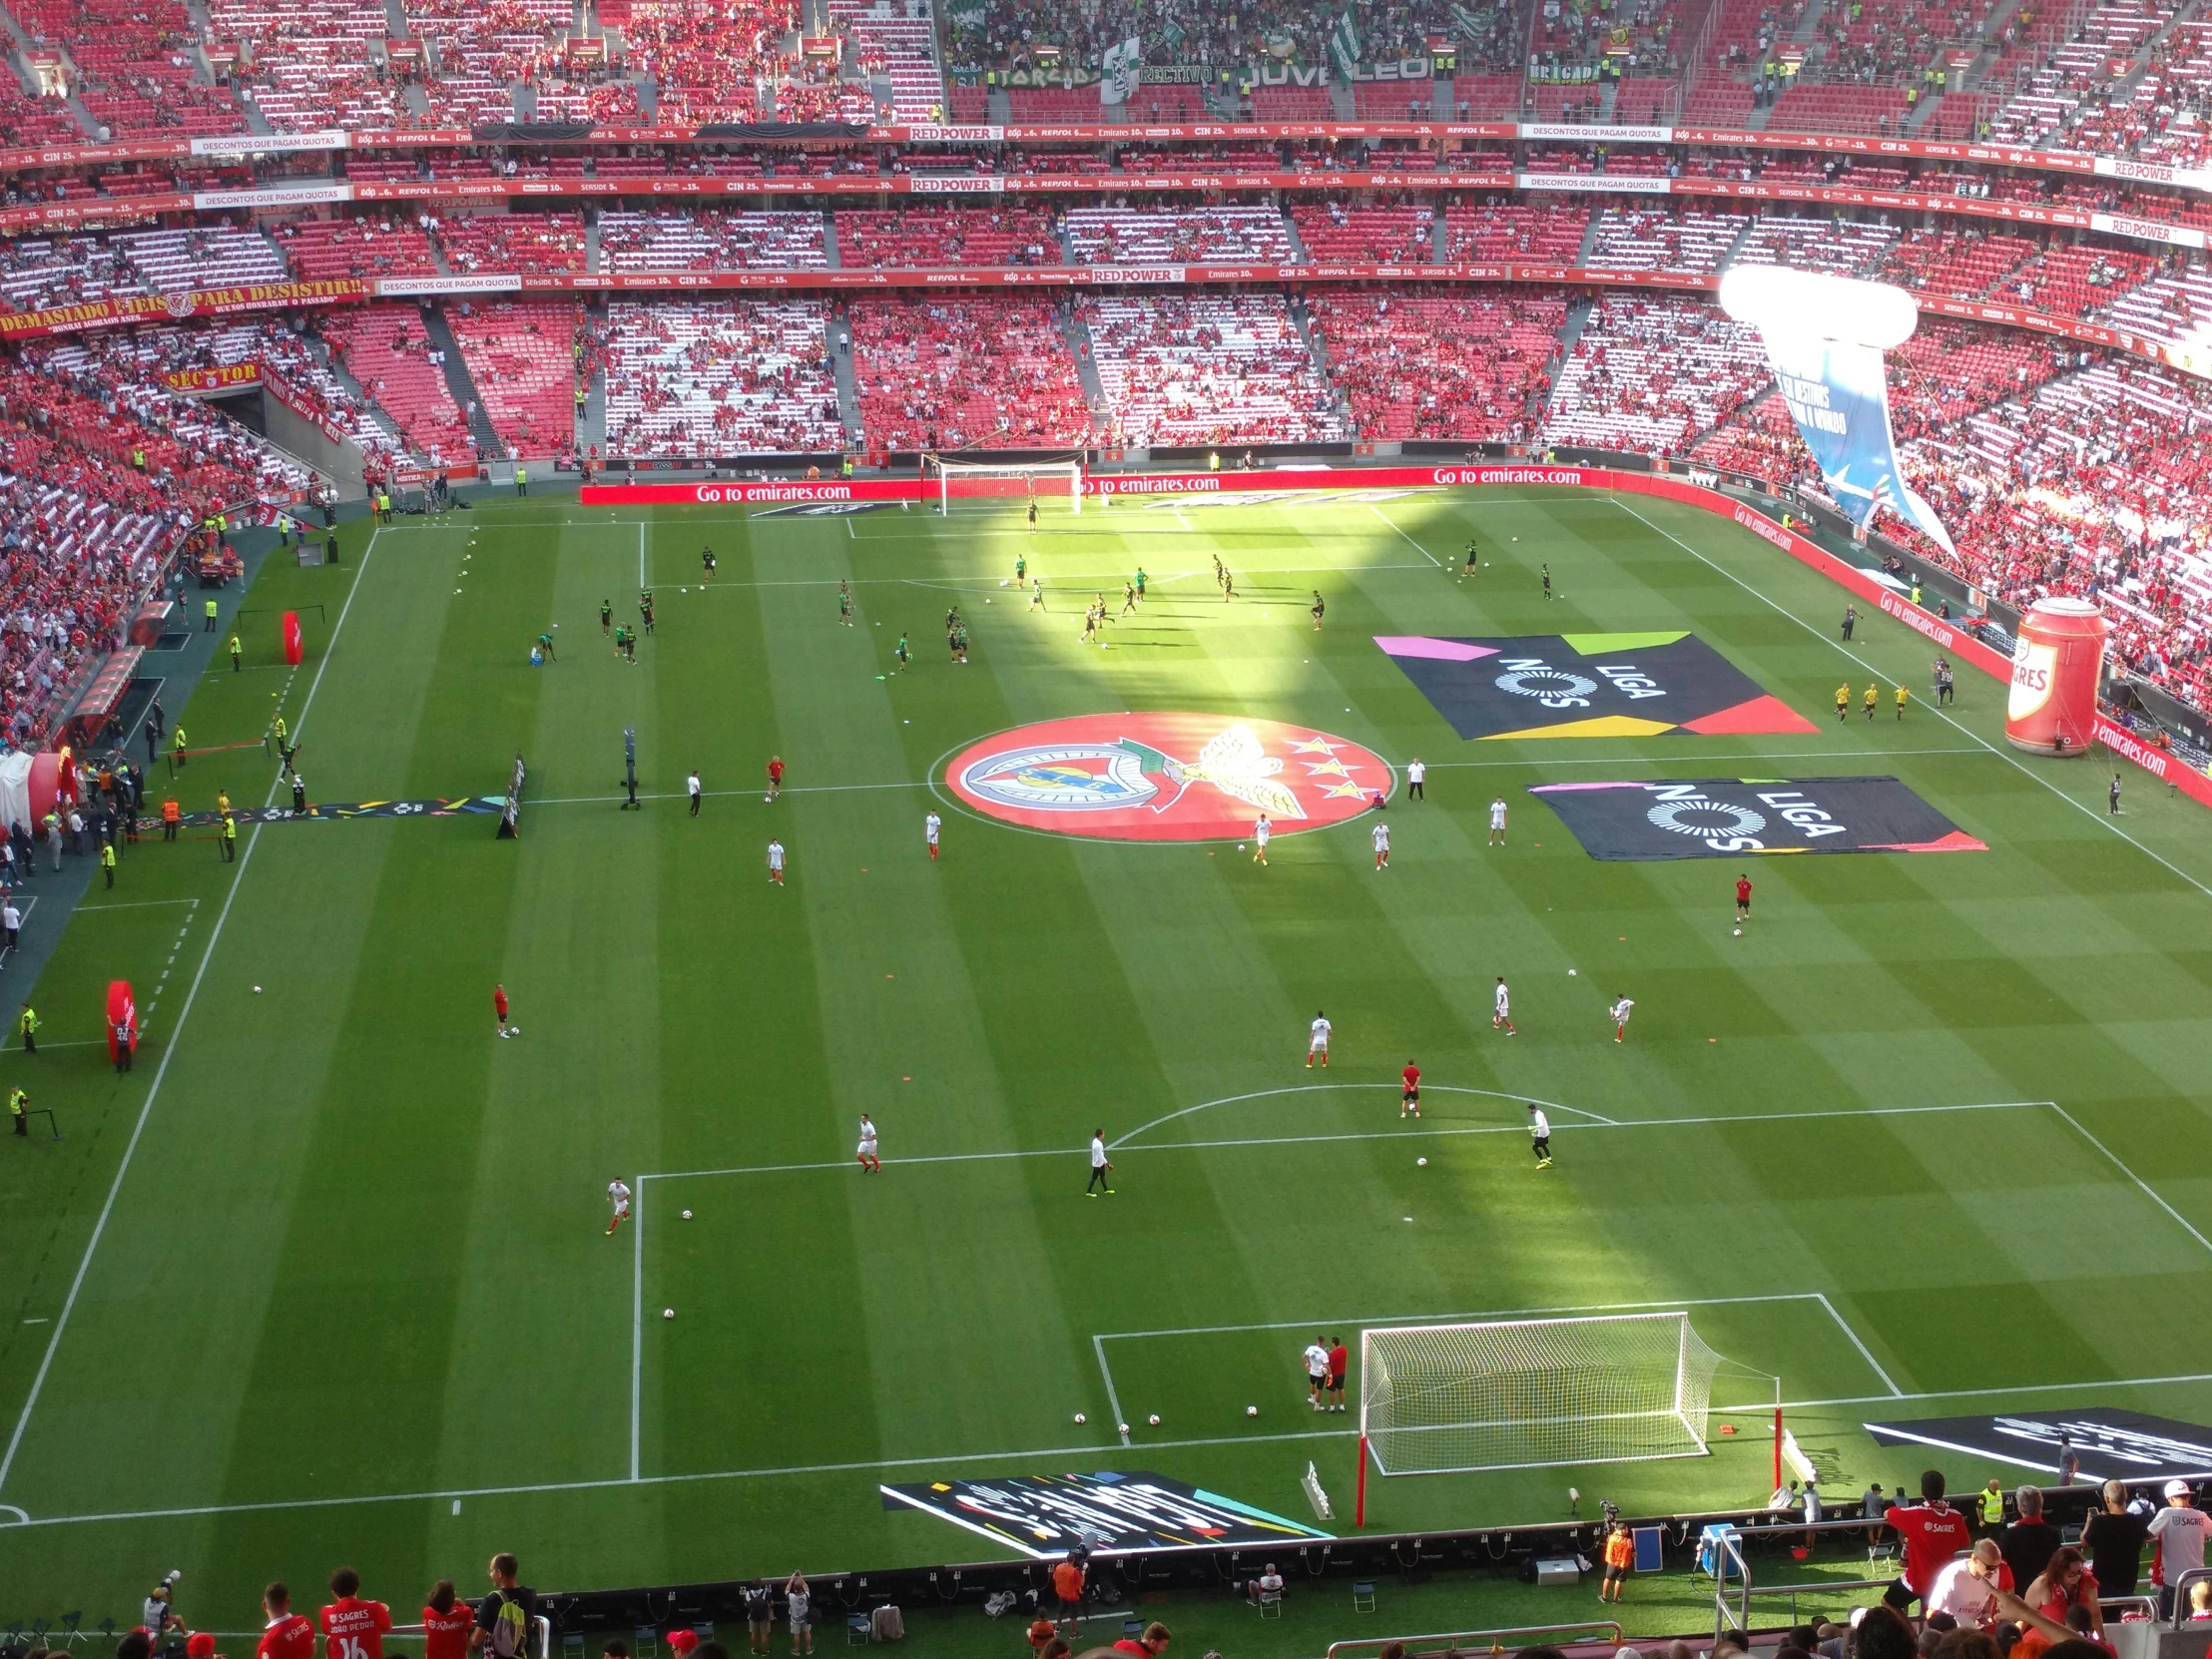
x: 229, y: 840
x: 19, y: 1109
x: 522, y: 479
x: 177, y: 746
x: 1993, y: 1508
x: 211, y: 617
x: 172, y: 815
x: 236, y: 651
x: 26, y: 1024
x: 106, y: 860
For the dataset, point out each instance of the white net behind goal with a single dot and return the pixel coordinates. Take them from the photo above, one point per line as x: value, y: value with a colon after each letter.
x: 1526, y: 1394
x: 1049, y: 484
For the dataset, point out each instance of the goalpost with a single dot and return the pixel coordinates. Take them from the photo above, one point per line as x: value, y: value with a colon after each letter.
x: 1532, y: 1394
x: 1038, y: 481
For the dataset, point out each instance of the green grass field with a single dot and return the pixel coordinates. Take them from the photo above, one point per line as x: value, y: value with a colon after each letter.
x: 352, y: 1300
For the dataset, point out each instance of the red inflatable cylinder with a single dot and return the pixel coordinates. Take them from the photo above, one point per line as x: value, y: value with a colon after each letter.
x: 122, y: 1011
x: 295, y: 644
x: 2056, y: 671
x: 46, y: 774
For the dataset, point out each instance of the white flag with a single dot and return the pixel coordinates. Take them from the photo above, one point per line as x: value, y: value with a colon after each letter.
x: 1122, y: 65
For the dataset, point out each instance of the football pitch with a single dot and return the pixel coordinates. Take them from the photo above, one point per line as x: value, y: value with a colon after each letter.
x: 328, y: 1278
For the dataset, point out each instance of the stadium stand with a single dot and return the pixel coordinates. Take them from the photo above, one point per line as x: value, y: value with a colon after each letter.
x: 714, y: 238
x: 1839, y: 247
x: 324, y: 248
x: 522, y: 242
x: 1209, y: 369
x: 1647, y: 374
x: 1008, y: 235
x: 135, y: 72
x: 720, y: 377
x: 900, y: 37
x: 521, y: 358
x: 705, y: 56
x: 1515, y: 231
x: 1961, y: 265
x: 1439, y: 365
x: 1132, y: 236
x: 989, y: 372
x: 1638, y: 239
x: 1401, y: 234
x: 315, y: 63
x: 387, y: 350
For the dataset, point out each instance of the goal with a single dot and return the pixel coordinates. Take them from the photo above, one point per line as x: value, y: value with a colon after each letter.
x: 1532, y: 1393
x: 1045, y: 482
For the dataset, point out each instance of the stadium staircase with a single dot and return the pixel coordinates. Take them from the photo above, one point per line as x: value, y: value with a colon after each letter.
x: 591, y: 419
x: 1302, y: 321
x: 591, y: 241
x: 1085, y: 352
x: 1578, y: 318
x: 1002, y: 107
x: 1583, y: 253
x: 839, y: 343
x: 344, y: 377
x: 461, y: 383
x: 1299, y: 254
x: 830, y: 242
x: 1442, y: 251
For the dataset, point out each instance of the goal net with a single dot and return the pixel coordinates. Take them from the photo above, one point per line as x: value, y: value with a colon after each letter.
x: 1528, y: 1393
x: 1047, y: 483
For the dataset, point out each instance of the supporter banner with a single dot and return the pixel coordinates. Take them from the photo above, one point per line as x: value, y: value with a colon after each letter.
x: 144, y: 308
x: 1569, y: 132
x: 1723, y: 818
x: 225, y: 376
x: 1600, y: 184
x: 1123, y: 65
x: 1586, y: 685
x: 2113, y: 1444
x: 1045, y: 1516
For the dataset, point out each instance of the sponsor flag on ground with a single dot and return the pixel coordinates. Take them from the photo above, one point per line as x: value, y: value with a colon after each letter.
x: 1724, y: 818
x: 1123, y: 64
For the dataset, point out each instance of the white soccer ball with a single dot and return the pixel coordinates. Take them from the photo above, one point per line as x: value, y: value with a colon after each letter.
x: 687, y: 1215
x: 1123, y: 1429
x: 767, y: 798
x: 1252, y: 1410
x: 1240, y: 848
x: 1153, y: 1419
x: 257, y: 990
x: 1003, y: 582
x: 1078, y: 1416
x: 1516, y: 538
x: 668, y: 1313
x: 1421, y: 1163
x: 1739, y: 932
x: 1572, y: 974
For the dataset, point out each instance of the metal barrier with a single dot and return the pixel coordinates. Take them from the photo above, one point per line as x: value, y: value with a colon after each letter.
x: 1493, y: 1641
x: 2181, y: 1596
x: 541, y: 1630
x: 1736, y: 1621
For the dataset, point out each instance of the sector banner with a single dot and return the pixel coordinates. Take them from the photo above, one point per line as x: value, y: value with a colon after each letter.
x: 2113, y: 1444
x: 1718, y: 818
x: 1047, y: 1516
x: 1587, y: 685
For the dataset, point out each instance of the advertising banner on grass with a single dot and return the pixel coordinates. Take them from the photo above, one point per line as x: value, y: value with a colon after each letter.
x: 1047, y: 1516
x: 2112, y: 1444
x: 1724, y: 818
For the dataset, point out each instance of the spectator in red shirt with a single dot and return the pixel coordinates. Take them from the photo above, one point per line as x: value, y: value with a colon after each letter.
x: 445, y: 1623
x: 289, y: 1635
x: 1150, y: 1645
x: 2066, y: 1583
x: 1067, y: 1584
x: 1933, y: 1532
x: 354, y: 1628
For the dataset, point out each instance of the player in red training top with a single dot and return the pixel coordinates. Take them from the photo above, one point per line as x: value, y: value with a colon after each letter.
x: 499, y: 1007
x: 354, y: 1628
x: 1743, y: 899
x: 445, y: 1623
x: 774, y: 775
x: 1933, y: 1532
x: 1410, y: 1102
x: 289, y: 1635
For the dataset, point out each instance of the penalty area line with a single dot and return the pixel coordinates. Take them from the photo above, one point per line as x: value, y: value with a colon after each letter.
x: 954, y: 1460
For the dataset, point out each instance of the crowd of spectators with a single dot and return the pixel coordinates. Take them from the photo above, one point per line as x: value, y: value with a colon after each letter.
x: 1006, y: 234
x: 713, y: 238
x: 522, y: 357
x: 1468, y: 367
x: 388, y: 351
x: 1647, y: 374
x: 520, y: 242
x: 721, y: 377
x: 985, y: 372
x: 1209, y: 369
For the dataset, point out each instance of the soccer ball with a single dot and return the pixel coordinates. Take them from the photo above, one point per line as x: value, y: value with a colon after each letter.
x: 1252, y: 1410
x: 1739, y: 932
x: 1123, y: 1429
x: 687, y: 1215
x: 1078, y: 1416
x: 668, y: 1313
x: 257, y: 990
x: 1572, y: 974
x: 1240, y: 848
x: 1153, y: 1419
x: 767, y: 798
x: 1420, y: 1162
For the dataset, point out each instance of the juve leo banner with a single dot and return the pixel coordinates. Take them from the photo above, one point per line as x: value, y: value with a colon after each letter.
x: 1721, y: 817
x: 1047, y: 1516
x: 2113, y: 1444
x: 1587, y: 685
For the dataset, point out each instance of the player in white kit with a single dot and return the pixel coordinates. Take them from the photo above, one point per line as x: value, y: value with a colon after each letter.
x: 1498, y: 821
x: 929, y: 827
x: 1381, y: 844
x: 776, y: 862
x: 1500, y: 1019
x: 618, y: 1194
x: 1416, y: 774
x: 869, y: 1163
x: 1260, y: 833
x: 1320, y: 1041
x: 1621, y: 1006
x: 1540, y: 1135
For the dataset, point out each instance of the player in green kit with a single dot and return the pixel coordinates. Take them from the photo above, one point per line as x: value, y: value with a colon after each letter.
x: 902, y: 654
x: 645, y: 607
x: 606, y: 617
x: 845, y: 604
x: 1036, y: 593
x: 1140, y: 584
x: 1021, y: 570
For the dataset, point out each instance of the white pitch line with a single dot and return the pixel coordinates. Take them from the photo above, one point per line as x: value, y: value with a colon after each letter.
x: 1319, y: 1088
x: 169, y: 1053
x: 2145, y: 1186
x: 637, y: 1321
x: 946, y: 1460
x: 142, y: 904
x: 641, y: 553
x: 1422, y: 551
x: 1965, y: 731
x: 1865, y: 1353
x: 1461, y: 1319
x: 1668, y: 759
x: 1113, y: 1399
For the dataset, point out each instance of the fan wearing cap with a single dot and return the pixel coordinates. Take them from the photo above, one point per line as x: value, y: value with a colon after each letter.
x: 683, y: 1642
x: 2177, y: 1538
x: 200, y: 1645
